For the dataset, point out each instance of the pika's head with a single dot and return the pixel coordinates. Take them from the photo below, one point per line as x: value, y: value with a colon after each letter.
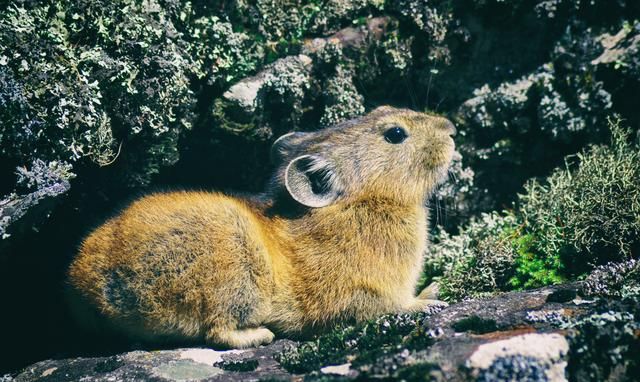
x: 393, y: 154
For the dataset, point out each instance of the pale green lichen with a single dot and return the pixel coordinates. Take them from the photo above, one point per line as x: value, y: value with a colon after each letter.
x: 39, y: 181
x: 42, y: 174
x: 88, y: 70
x: 590, y: 212
x: 614, y: 280
x: 283, y: 92
x: 223, y: 54
x: 477, y: 261
x: 341, y: 98
x: 604, y: 344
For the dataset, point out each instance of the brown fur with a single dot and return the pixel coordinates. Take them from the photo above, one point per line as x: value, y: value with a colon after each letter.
x: 203, y: 265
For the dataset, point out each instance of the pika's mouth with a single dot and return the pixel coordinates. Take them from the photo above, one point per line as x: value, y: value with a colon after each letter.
x: 441, y: 168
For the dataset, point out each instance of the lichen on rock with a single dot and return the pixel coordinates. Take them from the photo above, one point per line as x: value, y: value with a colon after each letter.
x: 534, y: 357
x: 341, y: 98
x: 36, y: 184
x: 614, y: 280
x: 604, y: 344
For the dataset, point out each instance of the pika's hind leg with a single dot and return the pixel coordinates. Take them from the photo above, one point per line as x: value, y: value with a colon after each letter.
x: 241, y: 338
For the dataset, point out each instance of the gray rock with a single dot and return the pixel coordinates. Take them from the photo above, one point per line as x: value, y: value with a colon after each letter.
x: 44, y: 183
x: 621, y: 49
x: 514, y: 336
x: 245, y: 92
x: 192, y: 364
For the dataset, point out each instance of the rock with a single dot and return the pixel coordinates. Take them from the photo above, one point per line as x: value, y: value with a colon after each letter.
x: 245, y: 108
x: 614, y: 280
x: 512, y: 336
x: 194, y: 364
x: 43, y: 183
x: 14, y: 207
x: 351, y: 37
x: 621, y: 49
x: 283, y: 82
x: 545, y: 351
x: 343, y: 369
x: 245, y: 92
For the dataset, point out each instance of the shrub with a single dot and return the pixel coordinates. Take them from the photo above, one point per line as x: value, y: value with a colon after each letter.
x: 583, y: 215
x: 86, y: 77
x: 476, y: 261
x: 589, y: 212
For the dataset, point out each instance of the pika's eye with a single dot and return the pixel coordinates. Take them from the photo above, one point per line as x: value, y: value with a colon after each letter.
x: 395, y: 135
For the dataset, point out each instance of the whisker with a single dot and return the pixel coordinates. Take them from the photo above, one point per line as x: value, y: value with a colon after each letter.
x: 412, y: 93
x: 440, y: 102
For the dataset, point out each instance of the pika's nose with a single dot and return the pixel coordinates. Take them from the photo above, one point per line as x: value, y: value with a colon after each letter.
x: 449, y: 127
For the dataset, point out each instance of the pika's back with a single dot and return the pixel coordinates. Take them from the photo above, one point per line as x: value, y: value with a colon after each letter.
x: 170, y: 249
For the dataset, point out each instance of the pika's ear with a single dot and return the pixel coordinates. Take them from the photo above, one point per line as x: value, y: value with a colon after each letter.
x: 312, y: 181
x: 285, y: 144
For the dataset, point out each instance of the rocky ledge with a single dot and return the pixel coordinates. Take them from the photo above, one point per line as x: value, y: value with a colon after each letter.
x: 549, y: 334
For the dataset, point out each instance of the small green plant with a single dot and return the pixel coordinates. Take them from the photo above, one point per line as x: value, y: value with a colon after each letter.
x: 532, y: 269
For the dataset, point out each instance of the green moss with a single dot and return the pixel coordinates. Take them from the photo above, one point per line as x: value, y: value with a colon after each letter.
x: 363, y: 345
x: 532, y: 269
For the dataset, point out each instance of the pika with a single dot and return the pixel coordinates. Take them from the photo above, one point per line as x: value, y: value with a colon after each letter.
x: 338, y: 235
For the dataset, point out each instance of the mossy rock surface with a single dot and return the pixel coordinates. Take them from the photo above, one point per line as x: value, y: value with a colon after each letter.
x: 512, y: 336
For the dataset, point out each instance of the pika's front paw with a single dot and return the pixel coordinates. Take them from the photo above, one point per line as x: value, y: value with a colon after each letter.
x: 431, y: 292
x: 242, y: 338
x: 425, y: 305
x: 436, y: 303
